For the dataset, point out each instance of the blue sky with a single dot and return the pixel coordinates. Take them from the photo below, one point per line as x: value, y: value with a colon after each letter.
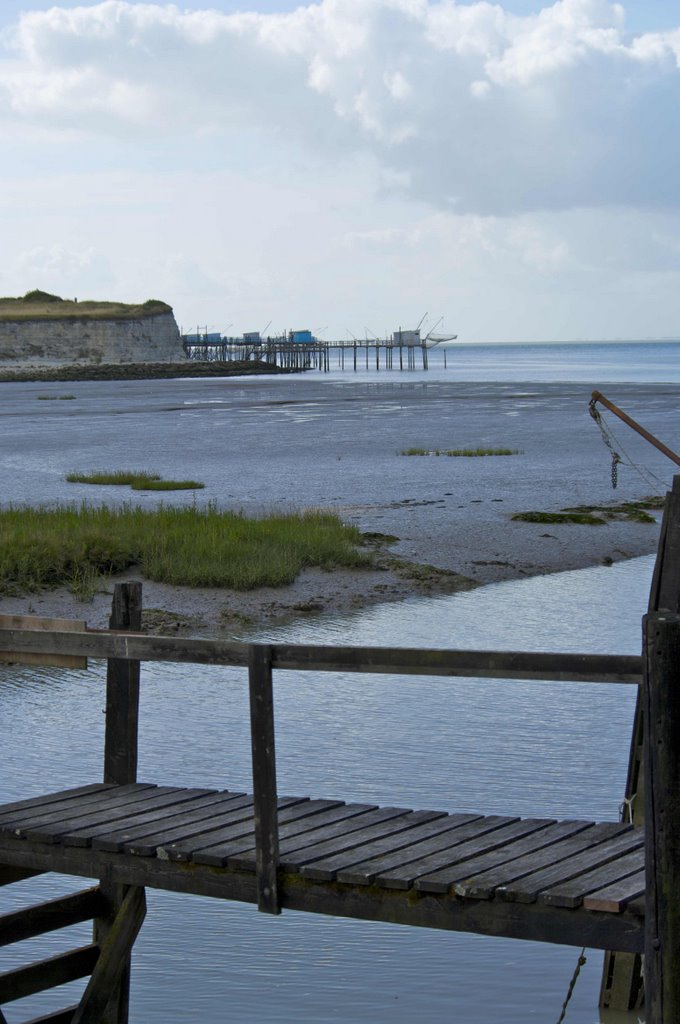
x: 513, y: 168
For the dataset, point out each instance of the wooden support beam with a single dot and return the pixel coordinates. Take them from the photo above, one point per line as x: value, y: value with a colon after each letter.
x: 264, y: 777
x: 47, y: 917
x: 662, y: 817
x: 58, y: 1017
x: 9, y: 875
x: 113, y: 960
x: 57, y: 970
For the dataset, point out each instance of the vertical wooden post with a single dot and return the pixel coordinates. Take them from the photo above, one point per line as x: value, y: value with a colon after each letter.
x: 264, y: 777
x: 120, y: 765
x: 662, y: 817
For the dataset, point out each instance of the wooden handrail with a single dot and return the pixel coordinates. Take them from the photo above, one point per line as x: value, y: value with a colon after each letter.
x: 538, y: 665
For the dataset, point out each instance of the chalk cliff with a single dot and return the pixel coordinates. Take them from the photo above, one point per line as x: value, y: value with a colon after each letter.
x: 70, y: 332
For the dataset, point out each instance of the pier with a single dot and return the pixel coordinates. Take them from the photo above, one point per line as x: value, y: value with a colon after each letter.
x: 611, y: 885
x: 356, y: 355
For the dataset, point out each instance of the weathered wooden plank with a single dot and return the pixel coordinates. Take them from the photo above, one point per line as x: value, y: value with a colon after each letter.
x: 46, y: 917
x: 356, y: 839
x: 484, y: 883
x: 41, y: 623
x: 119, y: 808
x: 542, y: 666
x: 57, y: 970
x: 572, y: 892
x: 527, y: 888
x: 123, y: 811
x: 230, y: 826
x: 614, y: 898
x: 367, y: 871
x: 299, y: 818
x: 50, y: 798
x: 89, y: 802
x: 432, y: 825
x: 197, y: 813
x: 294, y: 835
x: 113, y: 958
x: 444, y: 879
x: 404, y: 876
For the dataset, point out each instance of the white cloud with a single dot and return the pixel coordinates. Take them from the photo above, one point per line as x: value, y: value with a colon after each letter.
x: 573, y: 113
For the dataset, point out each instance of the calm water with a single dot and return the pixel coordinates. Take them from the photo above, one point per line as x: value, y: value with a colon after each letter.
x: 526, y: 748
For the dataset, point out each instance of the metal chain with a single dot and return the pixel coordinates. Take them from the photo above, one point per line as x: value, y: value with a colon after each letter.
x: 581, y: 961
x: 609, y: 439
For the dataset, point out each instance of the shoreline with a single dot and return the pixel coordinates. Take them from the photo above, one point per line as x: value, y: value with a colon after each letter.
x: 229, y: 614
x: 49, y: 373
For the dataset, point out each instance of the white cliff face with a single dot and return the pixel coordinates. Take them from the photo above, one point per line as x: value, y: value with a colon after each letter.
x: 151, y: 339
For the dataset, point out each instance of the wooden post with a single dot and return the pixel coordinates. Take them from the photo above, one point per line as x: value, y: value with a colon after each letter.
x: 120, y: 767
x: 662, y: 815
x: 622, y: 978
x: 122, y: 691
x: 264, y: 777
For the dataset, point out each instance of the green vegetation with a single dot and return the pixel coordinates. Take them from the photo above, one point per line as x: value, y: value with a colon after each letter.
x: 138, y: 480
x: 597, y: 515
x: 38, y: 305
x: 56, y: 398
x: 74, y: 546
x: 456, y: 453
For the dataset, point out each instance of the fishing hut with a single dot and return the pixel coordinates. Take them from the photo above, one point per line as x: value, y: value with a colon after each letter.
x: 611, y: 886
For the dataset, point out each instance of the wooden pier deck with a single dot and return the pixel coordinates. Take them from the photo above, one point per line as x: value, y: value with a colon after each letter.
x: 607, y: 885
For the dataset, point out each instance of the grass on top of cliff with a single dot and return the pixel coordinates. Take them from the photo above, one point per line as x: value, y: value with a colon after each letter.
x: 73, y: 546
x: 38, y: 305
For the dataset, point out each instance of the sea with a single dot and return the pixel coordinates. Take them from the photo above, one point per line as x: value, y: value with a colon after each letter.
x: 529, y: 748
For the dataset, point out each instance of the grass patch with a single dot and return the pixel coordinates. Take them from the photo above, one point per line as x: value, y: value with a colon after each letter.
x: 597, y: 515
x: 74, y: 546
x: 39, y: 305
x: 456, y: 453
x: 56, y: 398
x: 138, y: 480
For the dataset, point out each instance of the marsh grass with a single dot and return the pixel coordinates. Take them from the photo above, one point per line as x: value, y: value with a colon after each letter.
x: 138, y: 480
x: 597, y: 515
x: 456, y: 453
x: 74, y: 546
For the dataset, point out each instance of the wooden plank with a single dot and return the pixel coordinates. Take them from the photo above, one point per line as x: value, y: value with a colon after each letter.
x: 307, y: 828
x: 46, y: 917
x: 50, y: 798
x: 404, y: 876
x: 367, y: 871
x: 505, y: 856
x: 88, y: 803
x: 509, y: 665
x: 39, y: 623
x: 263, y: 749
x: 230, y: 826
x: 484, y: 884
x: 292, y: 820
x: 198, y: 811
x: 57, y: 970
x: 9, y: 875
x: 527, y: 888
x: 432, y: 823
x: 114, y: 956
x: 614, y: 898
x: 572, y: 892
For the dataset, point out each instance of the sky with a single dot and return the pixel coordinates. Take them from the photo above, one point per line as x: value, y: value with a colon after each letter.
x: 510, y: 171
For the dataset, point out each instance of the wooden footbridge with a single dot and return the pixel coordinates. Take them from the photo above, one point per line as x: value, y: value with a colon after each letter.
x: 608, y: 885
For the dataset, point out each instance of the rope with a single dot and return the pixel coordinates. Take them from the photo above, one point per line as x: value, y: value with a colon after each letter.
x: 581, y: 961
x: 615, y: 447
x: 626, y: 808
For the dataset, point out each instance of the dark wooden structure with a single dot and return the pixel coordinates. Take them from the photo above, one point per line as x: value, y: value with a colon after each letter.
x: 604, y: 885
x: 368, y: 353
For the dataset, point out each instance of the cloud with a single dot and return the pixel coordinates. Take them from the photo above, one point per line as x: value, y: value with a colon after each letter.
x: 471, y: 108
